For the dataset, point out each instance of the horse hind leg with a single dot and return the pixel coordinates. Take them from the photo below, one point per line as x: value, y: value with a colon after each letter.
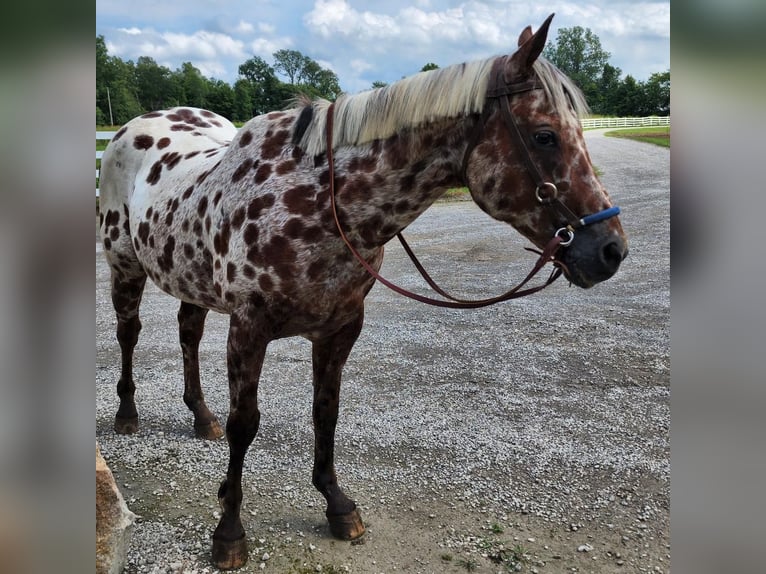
x: 126, y: 298
x: 329, y: 356
x: 191, y: 324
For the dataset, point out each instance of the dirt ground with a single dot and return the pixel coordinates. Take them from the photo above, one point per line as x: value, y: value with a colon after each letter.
x: 532, y: 436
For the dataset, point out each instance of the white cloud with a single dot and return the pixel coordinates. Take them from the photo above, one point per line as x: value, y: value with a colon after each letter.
x: 265, y: 47
x: 360, y: 66
x: 373, y: 40
x: 130, y: 31
x: 244, y: 27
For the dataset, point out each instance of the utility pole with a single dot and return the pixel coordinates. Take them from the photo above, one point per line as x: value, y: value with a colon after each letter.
x: 109, y: 101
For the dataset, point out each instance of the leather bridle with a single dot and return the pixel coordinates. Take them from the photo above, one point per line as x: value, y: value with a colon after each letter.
x: 546, y: 193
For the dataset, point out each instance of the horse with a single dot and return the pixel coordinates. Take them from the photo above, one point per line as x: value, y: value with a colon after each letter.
x: 267, y: 224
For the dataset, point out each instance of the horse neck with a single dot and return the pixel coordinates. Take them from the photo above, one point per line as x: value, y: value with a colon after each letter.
x: 384, y: 186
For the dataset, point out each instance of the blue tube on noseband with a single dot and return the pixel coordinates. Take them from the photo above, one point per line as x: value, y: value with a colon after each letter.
x: 600, y: 216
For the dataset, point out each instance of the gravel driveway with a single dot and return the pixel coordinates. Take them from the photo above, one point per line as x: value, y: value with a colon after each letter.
x: 529, y: 436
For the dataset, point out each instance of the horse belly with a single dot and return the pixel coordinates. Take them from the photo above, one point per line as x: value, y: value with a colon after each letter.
x: 172, y: 241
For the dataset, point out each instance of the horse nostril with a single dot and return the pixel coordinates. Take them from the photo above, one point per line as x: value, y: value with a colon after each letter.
x: 611, y: 255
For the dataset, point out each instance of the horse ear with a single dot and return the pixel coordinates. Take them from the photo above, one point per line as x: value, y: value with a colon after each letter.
x: 525, y: 35
x: 531, y: 45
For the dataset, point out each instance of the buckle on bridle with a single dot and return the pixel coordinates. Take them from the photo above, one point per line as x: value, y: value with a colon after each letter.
x: 546, y: 199
x: 570, y: 235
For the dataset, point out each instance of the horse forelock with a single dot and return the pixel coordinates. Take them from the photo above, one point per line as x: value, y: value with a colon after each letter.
x: 560, y: 90
x: 451, y: 92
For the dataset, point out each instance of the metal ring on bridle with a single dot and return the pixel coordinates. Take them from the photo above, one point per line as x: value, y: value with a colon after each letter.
x: 553, y: 196
x: 566, y: 242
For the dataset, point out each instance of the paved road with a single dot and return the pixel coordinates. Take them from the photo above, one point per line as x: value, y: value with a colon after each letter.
x: 541, y: 413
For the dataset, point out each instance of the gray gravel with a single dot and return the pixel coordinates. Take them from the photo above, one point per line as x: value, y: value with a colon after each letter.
x: 545, y: 418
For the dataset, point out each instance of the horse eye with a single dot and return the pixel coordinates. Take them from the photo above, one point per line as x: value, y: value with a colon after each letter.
x: 545, y: 139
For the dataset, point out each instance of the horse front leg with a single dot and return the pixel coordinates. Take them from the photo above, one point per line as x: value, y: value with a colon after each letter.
x: 245, y: 352
x: 329, y: 356
x: 191, y: 324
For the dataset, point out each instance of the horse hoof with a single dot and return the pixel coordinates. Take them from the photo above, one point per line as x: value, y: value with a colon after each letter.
x: 229, y: 554
x: 126, y: 425
x: 346, y: 526
x: 208, y: 431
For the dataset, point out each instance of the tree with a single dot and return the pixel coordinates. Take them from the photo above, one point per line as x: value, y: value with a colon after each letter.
x: 603, y: 102
x: 306, y: 75
x: 629, y: 98
x: 243, y: 101
x: 194, y: 85
x: 220, y: 98
x: 291, y: 63
x: 578, y: 53
x: 265, y: 93
x: 156, y: 88
x: 379, y: 84
x: 429, y: 66
x: 657, y: 94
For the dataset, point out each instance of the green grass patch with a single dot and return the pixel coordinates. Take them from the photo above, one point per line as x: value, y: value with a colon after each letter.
x: 456, y: 194
x: 657, y: 135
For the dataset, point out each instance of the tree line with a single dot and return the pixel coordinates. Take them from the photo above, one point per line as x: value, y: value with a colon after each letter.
x: 125, y: 90
x: 128, y: 89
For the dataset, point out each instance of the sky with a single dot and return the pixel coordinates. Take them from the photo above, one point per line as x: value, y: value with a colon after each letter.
x: 376, y: 40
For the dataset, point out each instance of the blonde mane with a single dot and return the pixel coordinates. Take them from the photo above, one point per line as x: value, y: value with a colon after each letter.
x: 455, y: 91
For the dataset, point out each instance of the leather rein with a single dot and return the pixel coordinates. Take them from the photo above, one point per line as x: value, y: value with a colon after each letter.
x: 546, y: 194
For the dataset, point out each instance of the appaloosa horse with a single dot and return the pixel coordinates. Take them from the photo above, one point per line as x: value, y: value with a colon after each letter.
x: 241, y: 221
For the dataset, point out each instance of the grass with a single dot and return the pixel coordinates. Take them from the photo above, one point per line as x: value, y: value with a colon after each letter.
x: 657, y: 135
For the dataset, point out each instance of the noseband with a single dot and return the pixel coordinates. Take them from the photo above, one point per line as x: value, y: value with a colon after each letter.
x: 546, y: 193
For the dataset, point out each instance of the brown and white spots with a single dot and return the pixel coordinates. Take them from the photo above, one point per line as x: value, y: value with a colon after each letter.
x: 217, y: 197
x: 242, y: 169
x: 162, y: 143
x: 285, y: 167
x: 120, y: 133
x: 300, y: 200
x: 273, y: 145
x: 202, y: 206
x: 246, y: 138
x: 171, y: 159
x: 221, y: 239
x: 259, y: 204
x: 263, y: 173
x: 143, y: 141
x: 362, y: 163
x: 265, y: 282
x: 143, y: 232
x: 238, y: 218
x: 154, y: 173
x: 231, y: 272
x: 251, y: 234
x: 187, y: 193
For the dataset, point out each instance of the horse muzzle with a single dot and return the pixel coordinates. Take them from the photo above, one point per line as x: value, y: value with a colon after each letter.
x: 594, y: 255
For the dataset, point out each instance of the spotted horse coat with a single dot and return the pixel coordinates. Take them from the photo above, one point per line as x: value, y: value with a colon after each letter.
x: 240, y: 221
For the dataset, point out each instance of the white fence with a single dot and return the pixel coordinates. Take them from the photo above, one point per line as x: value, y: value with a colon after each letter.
x: 625, y: 122
x: 105, y: 136
x: 586, y: 123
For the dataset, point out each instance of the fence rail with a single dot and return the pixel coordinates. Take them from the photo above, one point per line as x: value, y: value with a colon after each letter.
x: 586, y: 123
x: 625, y: 122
